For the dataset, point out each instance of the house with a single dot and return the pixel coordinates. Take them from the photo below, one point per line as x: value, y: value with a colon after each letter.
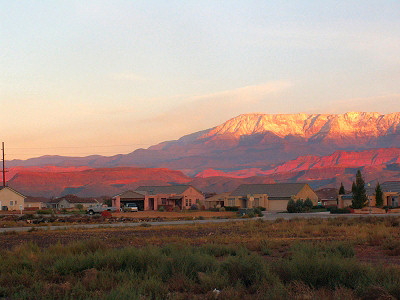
x: 70, y: 202
x: 328, y: 196
x: 274, y: 197
x: 390, y: 190
x: 10, y: 199
x: 154, y: 197
x: 35, y: 203
x: 217, y: 201
x: 170, y: 196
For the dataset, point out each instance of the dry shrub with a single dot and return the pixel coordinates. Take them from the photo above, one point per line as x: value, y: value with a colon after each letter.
x: 376, y: 292
x: 299, y: 290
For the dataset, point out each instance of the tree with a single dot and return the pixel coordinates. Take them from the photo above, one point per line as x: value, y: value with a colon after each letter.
x: 359, y: 193
x: 291, y: 206
x: 342, y: 190
x: 308, y: 205
x: 378, y: 195
x: 79, y: 206
x: 299, y: 206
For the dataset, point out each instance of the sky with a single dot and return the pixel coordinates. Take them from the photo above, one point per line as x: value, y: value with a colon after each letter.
x: 108, y: 77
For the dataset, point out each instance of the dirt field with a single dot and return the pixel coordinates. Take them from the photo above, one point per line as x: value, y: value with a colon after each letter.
x: 174, y: 215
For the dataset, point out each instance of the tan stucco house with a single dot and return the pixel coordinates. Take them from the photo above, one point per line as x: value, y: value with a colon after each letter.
x: 274, y: 197
x: 217, y: 201
x: 10, y: 199
x: 154, y: 197
x: 35, y: 203
x: 71, y: 202
x: 391, y: 195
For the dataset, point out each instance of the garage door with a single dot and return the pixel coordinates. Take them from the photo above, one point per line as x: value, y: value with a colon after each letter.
x: 278, y: 205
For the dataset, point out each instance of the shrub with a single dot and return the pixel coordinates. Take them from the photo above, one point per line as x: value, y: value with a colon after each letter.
x: 161, y: 208
x: 335, y: 210
x: 222, y: 209
x: 257, y: 211
x: 291, y: 206
x: 299, y: 205
x: 44, y: 212
x: 193, y: 207
x: 231, y: 208
x: 176, y: 209
x: 308, y: 205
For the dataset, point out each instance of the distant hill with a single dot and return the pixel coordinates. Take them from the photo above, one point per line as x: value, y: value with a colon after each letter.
x: 252, y: 141
x: 323, y: 149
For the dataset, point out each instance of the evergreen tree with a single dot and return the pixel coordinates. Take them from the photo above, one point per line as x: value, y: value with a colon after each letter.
x: 341, y: 190
x: 359, y: 193
x: 291, y: 206
x: 378, y: 195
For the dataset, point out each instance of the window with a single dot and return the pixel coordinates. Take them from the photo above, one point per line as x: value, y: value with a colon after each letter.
x: 187, y: 202
x: 231, y: 202
x: 164, y: 200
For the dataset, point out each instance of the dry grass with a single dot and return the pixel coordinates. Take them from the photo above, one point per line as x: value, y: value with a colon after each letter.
x: 175, y: 215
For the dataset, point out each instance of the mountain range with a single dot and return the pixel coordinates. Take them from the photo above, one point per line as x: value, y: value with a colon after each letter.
x: 318, y: 148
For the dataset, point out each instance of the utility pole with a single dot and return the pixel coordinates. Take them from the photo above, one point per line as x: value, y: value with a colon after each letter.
x: 4, y: 167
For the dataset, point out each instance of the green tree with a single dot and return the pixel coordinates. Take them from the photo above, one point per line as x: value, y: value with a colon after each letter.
x: 291, y: 206
x: 299, y: 205
x: 342, y: 190
x: 359, y: 193
x: 108, y: 202
x: 308, y: 205
x: 378, y: 195
x: 79, y: 206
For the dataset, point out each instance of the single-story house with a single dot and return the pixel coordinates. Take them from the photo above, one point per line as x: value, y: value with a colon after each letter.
x: 126, y: 197
x: 274, y: 197
x: 154, y: 197
x: 328, y: 196
x: 71, y: 201
x: 10, y: 199
x: 217, y: 201
x: 391, y: 195
x: 35, y: 203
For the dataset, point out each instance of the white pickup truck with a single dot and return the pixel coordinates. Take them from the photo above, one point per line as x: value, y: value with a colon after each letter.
x: 98, y: 209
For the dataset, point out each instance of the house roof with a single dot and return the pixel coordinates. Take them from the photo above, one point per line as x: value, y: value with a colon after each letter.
x: 275, y: 190
x: 391, y: 186
x: 166, y: 189
x: 11, y: 189
x: 218, y: 197
x: 327, y: 194
x: 130, y: 195
x: 74, y: 199
x: 36, y: 199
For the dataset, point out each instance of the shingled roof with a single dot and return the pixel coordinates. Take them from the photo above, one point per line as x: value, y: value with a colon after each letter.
x: 130, y: 195
x: 166, y: 189
x: 391, y: 186
x: 276, y: 190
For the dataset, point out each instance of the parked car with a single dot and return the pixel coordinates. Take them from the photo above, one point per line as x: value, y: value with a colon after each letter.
x: 98, y: 209
x: 131, y: 207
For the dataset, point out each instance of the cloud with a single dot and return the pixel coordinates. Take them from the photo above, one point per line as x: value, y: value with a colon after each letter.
x: 202, y: 111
